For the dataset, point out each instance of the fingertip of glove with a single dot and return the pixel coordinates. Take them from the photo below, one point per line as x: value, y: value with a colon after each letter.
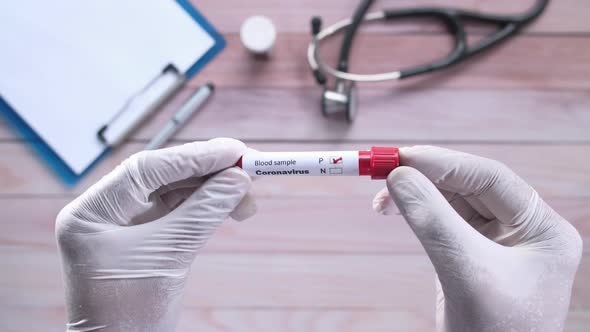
x: 237, y: 175
x: 245, y: 209
x: 383, y: 204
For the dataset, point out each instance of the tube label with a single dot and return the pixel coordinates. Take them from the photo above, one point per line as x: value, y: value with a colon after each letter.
x: 317, y: 163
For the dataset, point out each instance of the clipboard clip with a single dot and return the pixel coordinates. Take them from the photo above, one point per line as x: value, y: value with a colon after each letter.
x: 141, y: 105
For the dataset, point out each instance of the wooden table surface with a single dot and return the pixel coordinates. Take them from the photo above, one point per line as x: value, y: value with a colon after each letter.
x: 316, y: 257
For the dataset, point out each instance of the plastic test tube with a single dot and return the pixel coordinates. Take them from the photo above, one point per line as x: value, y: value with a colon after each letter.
x: 377, y: 162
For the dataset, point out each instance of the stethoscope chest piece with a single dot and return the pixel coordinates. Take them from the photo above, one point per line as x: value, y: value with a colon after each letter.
x: 341, y: 100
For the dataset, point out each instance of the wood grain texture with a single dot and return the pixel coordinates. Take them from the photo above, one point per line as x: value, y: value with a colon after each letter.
x: 451, y: 115
x: 512, y: 65
x: 399, y: 282
x: 306, y: 320
x: 271, y: 282
x: 51, y: 319
x: 565, y: 173
x: 564, y: 16
x: 328, y: 225
x: 325, y: 321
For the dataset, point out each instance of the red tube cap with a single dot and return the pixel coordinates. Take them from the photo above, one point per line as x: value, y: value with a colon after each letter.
x: 378, y: 162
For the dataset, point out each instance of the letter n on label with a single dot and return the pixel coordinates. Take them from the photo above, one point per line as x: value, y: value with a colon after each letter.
x: 322, y: 170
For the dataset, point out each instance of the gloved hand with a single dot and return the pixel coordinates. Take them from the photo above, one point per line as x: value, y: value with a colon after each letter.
x: 505, y: 260
x: 128, y: 242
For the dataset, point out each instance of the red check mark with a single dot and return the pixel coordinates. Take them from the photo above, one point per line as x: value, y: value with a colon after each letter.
x: 336, y: 160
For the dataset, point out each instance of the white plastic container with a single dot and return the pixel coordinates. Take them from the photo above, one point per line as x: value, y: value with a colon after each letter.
x: 258, y: 34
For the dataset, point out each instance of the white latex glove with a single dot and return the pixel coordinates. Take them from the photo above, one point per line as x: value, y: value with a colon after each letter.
x: 128, y: 242
x: 505, y: 260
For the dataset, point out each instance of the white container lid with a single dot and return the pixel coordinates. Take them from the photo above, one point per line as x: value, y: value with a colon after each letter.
x: 258, y: 34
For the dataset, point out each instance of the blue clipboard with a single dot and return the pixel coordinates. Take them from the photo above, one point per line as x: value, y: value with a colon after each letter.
x: 50, y: 156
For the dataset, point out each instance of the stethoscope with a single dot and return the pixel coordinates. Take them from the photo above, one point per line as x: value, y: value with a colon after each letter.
x: 342, y: 96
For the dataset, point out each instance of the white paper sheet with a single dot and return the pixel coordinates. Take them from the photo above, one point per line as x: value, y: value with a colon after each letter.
x: 67, y: 66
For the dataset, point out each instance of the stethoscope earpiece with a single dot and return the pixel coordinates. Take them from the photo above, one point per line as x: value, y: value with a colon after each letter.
x: 316, y: 25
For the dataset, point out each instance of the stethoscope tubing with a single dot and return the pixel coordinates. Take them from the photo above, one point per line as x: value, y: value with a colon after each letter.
x: 316, y: 63
x: 452, y: 18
